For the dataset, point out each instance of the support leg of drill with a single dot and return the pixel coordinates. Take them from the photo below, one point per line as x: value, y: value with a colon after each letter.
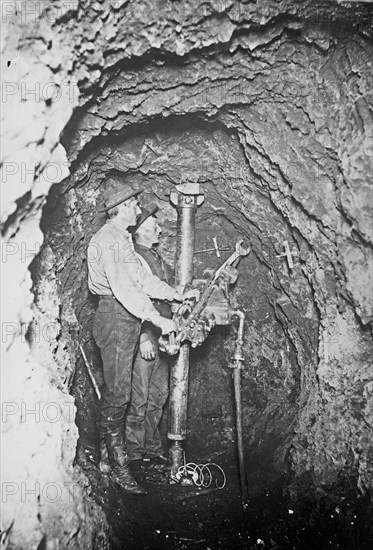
x: 178, y: 407
x: 186, y: 198
x: 176, y: 458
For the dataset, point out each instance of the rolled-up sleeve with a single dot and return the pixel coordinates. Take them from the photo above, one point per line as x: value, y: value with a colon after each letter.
x: 154, y: 287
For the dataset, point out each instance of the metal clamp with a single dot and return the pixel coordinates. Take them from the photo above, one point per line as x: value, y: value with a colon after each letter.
x: 187, y: 195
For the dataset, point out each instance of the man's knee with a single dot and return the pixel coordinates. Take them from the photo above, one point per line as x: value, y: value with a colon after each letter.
x: 137, y: 409
x: 116, y: 400
x: 158, y: 392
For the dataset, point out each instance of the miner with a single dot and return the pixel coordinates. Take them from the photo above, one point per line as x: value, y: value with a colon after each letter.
x: 123, y: 285
x: 151, y: 367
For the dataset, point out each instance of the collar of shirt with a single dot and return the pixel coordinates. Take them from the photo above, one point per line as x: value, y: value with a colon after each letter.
x: 122, y: 230
x: 156, y: 253
x: 141, y: 247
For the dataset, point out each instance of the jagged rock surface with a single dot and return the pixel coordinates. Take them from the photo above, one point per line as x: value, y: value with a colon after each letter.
x: 269, y: 106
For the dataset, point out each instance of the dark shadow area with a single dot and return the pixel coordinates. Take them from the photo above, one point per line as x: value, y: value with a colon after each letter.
x: 175, y: 517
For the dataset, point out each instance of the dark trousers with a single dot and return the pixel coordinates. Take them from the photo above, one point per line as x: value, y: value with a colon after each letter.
x: 116, y: 333
x: 149, y: 394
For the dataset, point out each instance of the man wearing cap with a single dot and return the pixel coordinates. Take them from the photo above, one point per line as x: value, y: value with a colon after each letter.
x: 151, y: 368
x: 123, y: 285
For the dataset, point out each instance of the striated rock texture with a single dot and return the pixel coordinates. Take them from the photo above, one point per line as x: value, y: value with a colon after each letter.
x: 269, y: 106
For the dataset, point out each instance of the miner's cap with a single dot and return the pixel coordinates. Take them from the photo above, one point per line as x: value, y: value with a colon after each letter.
x: 117, y: 192
x: 145, y: 214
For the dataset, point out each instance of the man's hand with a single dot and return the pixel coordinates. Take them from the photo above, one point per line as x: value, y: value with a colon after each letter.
x: 147, y: 351
x: 192, y: 293
x: 166, y: 325
x: 188, y: 295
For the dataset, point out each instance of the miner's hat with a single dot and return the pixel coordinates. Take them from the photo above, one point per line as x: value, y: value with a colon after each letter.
x: 116, y: 192
x: 145, y: 214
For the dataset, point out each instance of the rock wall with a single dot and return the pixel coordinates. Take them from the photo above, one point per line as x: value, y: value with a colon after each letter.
x: 268, y: 105
x: 45, y: 502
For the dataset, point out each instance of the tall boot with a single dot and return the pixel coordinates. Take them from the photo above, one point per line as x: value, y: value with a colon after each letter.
x: 104, y: 458
x: 118, y: 459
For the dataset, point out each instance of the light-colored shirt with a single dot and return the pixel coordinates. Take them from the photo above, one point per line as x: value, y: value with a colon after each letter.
x: 114, y: 269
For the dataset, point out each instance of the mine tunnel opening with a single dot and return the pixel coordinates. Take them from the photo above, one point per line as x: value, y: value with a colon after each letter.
x: 236, y: 203
x: 218, y: 218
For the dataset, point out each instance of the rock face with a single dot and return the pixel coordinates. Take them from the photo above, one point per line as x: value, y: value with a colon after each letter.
x: 268, y: 106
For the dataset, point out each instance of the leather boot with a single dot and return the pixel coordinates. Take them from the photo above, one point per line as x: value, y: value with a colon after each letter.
x: 120, y: 471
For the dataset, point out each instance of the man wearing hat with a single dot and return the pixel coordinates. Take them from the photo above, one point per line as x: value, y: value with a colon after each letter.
x: 151, y: 368
x: 123, y: 285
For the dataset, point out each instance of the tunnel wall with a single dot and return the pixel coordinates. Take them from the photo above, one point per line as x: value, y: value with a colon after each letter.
x: 45, y: 501
x: 293, y: 86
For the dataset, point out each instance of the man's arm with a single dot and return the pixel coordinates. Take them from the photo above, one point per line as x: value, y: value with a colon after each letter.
x: 154, y: 287
x: 129, y: 292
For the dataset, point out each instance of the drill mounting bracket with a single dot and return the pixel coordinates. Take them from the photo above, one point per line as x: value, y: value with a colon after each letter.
x: 187, y: 194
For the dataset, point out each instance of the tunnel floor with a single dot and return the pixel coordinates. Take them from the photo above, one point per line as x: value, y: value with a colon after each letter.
x: 169, y: 517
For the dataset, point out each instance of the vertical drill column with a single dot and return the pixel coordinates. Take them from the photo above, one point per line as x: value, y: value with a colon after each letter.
x: 186, y: 199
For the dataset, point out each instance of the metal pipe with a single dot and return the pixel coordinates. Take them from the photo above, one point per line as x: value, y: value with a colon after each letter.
x: 179, y: 395
x: 239, y: 341
x: 186, y: 211
x: 237, y: 367
x: 186, y: 203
